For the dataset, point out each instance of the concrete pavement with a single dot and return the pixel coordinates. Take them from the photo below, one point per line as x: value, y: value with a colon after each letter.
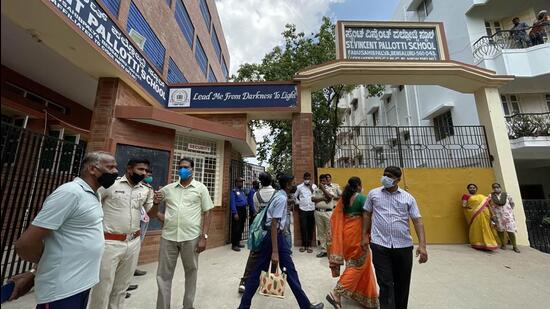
x: 455, y: 276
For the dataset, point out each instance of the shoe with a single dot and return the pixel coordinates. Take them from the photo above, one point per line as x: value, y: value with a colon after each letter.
x: 140, y: 272
x: 241, y: 246
x: 242, y: 288
x: 321, y: 254
x: 127, y: 295
x: 132, y: 287
x: 302, y: 249
x: 316, y: 306
x: 309, y: 250
x: 236, y: 248
x: 516, y: 250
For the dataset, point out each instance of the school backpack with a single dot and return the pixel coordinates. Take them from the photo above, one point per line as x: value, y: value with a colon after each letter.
x: 257, y: 229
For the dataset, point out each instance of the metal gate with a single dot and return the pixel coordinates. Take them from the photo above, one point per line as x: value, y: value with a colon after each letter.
x: 33, y: 165
x: 237, y: 169
x: 537, y: 213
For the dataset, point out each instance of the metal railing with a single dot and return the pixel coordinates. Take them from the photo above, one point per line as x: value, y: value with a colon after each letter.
x: 33, y: 165
x: 422, y: 146
x: 528, y: 125
x: 491, y: 45
x: 537, y: 214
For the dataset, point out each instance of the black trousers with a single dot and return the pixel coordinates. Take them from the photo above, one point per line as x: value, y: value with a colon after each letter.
x: 237, y: 226
x: 393, y: 272
x: 307, y: 223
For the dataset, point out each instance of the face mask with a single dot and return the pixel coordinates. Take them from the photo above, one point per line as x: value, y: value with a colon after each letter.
x: 136, y: 178
x: 306, y: 182
x: 497, y: 190
x: 387, y: 182
x: 107, y: 179
x: 148, y: 179
x: 184, y: 173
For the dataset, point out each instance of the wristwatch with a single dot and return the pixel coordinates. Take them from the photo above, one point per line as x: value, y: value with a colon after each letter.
x: 205, y: 236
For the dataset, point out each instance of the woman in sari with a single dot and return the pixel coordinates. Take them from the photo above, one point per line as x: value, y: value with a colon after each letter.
x: 358, y: 281
x: 502, y: 206
x: 478, y: 216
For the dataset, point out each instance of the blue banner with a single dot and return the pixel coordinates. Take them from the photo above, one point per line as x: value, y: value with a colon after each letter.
x: 92, y: 20
x: 244, y: 96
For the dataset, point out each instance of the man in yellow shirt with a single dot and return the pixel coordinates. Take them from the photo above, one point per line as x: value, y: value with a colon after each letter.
x: 185, y: 231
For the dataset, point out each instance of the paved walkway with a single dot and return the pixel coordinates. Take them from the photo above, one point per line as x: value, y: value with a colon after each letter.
x: 455, y: 277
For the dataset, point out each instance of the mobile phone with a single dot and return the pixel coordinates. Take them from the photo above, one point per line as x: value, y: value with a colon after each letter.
x: 7, y: 290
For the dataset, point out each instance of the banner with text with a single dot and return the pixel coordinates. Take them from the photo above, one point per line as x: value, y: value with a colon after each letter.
x: 395, y: 42
x: 234, y: 96
x: 92, y: 20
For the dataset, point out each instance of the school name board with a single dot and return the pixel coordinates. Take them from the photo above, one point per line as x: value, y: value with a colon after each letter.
x: 410, y: 41
x: 92, y: 20
x: 245, y: 96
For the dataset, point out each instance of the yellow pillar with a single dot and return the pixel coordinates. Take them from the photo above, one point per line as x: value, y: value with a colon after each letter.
x: 491, y: 115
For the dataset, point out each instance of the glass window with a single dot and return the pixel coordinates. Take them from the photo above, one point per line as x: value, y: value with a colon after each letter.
x: 216, y: 43
x: 205, y: 13
x: 505, y: 105
x: 224, y: 69
x: 112, y: 5
x: 184, y: 22
x: 514, y: 101
x: 548, y: 102
x: 153, y: 48
x: 200, y: 55
x: 175, y: 75
x: 211, y: 76
x: 443, y: 126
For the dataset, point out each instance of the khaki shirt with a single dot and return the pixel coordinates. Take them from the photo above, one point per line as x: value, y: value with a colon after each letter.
x: 184, y: 208
x: 334, y: 190
x: 122, y: 204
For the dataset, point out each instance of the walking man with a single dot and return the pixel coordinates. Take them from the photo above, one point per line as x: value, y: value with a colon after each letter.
x: 186, y: 222
x: 238, y: 202
x: 275, y: 249
x: 122, y: 203
x: 304, y: 192
x: 386, y: 218
x: 66, y: 237
x: 325, y: 198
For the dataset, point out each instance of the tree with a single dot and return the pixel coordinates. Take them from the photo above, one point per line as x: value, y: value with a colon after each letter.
x: 282, y: 63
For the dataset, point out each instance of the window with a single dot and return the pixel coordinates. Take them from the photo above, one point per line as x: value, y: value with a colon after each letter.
x: 491, y: 27
x: 548, y: 102
x: 443, y: 126
x: 205, y: 13
x: 184, y: 21
x: 224, y: 68
x: 354, y: 104
x: 200, y: 55
x: 510, y: 104
x: 211, y: 76
x: 424, y: 9
x: 152, y: 46
x: 175, y: 75
x: 112, y: 5
x: 375, y: 118
x: 216, y: 44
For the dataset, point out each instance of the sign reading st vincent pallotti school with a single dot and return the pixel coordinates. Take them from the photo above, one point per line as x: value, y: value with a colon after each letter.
x: 391, y: 41
x: 230, y: 95
x: 92, y: 20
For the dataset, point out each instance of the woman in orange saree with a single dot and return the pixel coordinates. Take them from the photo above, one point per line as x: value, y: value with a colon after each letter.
x: 478, y: 216
x: 358, y: 281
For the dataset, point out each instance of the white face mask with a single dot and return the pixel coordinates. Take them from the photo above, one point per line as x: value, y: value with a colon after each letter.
x: 307, y: 182
x: 387, y: 182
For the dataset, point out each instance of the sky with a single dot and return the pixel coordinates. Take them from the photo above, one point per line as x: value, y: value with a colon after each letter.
x: 253, y: 27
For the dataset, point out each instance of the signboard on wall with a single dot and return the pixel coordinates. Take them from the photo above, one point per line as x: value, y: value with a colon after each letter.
x: 234, y: 95
x: 391, y: 41
x: 92, y: 20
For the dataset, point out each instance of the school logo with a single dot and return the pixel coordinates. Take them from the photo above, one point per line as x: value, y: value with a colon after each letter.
x: 180, y: 97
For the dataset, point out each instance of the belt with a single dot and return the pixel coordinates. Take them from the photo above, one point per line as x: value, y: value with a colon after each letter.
x: 323, y: 209
x: 122, y: 237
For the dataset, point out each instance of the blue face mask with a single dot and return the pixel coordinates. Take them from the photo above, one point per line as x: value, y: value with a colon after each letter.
x: 387, y: 182
x: 148, y: 179
x: 184, y: 173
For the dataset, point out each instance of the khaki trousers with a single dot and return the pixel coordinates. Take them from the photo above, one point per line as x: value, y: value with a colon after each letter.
x: 168, y: 256
x: 118, y: 263
x: 322, y: 223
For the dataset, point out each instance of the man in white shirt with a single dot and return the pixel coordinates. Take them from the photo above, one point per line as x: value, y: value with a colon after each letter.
x: 304, y: 192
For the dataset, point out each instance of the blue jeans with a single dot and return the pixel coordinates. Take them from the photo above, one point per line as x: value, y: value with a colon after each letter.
x: 77, y: 301
x: 262, y: 263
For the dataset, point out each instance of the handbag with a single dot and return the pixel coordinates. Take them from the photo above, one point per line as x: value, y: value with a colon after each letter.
x: 272, y: 284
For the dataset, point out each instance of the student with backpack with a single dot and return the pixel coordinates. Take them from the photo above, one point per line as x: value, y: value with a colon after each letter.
x: 273, y: 248
x: 261, y: 199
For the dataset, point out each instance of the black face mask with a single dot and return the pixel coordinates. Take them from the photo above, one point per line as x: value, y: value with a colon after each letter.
x: 107, y: 179
x: 136, y: 178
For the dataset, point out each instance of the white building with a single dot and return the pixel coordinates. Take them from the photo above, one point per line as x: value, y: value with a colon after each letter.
x: 476, y: 32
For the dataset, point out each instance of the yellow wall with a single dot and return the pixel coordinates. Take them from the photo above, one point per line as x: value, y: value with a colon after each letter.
x: 437, y: 192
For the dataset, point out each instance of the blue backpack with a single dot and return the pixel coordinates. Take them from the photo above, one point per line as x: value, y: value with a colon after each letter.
x: 257, y: 229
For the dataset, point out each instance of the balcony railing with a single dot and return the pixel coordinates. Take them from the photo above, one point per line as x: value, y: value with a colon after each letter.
x: 528, y: 125
x: 503, y: 39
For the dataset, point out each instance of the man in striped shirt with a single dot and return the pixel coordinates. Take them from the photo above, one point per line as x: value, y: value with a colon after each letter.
x: 386, y: 219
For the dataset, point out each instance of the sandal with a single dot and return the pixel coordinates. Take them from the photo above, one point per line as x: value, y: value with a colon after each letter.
x: 309, y: 250
x: 302, y: 249
x: 333, y: 302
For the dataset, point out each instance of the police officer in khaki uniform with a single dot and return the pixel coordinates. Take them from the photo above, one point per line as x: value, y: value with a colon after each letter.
x: 122, y: 203
x: 324, y: 197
